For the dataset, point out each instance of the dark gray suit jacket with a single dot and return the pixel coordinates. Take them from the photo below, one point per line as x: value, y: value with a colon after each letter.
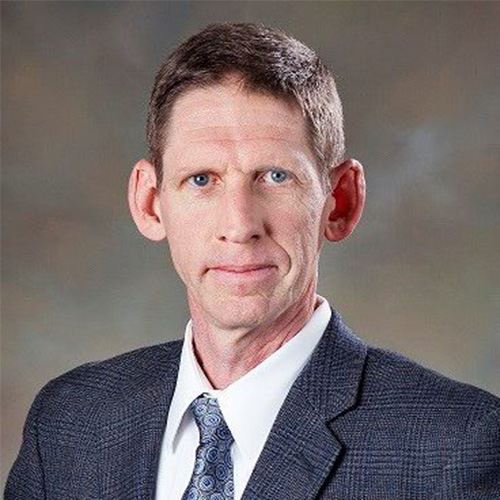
x: 358, y: 424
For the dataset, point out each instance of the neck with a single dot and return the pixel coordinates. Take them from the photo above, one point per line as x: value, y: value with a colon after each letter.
x: 225, y: 357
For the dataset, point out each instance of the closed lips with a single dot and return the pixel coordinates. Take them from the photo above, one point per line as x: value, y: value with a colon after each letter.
x: 241, y: 269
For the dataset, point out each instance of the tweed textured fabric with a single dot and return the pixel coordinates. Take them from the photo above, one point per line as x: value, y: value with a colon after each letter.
x: 359, y: 423
x: 212, y: 477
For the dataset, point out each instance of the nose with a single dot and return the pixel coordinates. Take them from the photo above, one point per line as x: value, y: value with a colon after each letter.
x: 240, y: 217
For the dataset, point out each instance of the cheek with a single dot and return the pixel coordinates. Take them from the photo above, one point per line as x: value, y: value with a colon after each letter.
x: 186, y: 254
x: 185, y: 238
x: 299, y: 236
x: 306, y: 219
x: 181, y: 218
x: 314, y: 222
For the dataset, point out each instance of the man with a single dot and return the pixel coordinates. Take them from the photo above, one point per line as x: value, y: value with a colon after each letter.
x: 270, y: 396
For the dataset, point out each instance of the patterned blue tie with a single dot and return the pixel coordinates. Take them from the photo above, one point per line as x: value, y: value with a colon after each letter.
x: 212, y: 477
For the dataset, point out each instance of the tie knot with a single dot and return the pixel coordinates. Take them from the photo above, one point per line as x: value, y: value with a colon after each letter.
x: 210, y: 421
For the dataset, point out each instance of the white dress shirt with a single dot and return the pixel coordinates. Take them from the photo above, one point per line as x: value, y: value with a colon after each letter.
x: 249, y: 405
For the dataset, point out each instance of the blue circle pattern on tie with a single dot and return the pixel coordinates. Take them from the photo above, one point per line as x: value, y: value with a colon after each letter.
x: 212, y: 477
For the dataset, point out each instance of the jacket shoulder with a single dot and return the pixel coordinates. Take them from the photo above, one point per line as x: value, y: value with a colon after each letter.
x: 65, y: 422
x: 393, y: 379
x: 126, y: 365
x: 112, y: 377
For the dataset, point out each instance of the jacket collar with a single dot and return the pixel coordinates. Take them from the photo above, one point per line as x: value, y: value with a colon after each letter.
x: 301, y: 451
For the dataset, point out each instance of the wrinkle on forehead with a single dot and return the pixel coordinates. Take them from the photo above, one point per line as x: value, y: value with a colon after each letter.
x: 226, y: 135
x: 226, y: 112
x: 272, y: 112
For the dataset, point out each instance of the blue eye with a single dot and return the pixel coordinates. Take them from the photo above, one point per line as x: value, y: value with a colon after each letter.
x: 200, y: 180
x: 279, y: 176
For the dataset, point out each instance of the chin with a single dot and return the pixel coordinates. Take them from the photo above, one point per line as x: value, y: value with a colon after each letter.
x: 241, y: 312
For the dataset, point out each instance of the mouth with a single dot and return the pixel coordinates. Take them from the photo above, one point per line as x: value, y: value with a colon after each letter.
x: 234, y: 274
x: 242, y: 269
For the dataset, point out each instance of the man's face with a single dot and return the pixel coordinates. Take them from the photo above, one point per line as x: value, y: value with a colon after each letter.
x: 242, y: 205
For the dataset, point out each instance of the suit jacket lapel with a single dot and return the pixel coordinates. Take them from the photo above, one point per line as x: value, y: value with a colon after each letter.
x: 301, y: 451
x: 133, y: 427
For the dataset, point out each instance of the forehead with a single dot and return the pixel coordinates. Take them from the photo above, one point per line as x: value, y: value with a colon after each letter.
x: 227, y: 113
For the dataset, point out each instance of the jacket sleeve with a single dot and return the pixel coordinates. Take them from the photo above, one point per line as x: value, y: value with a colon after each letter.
x: 473, y: 471
x: 26, y: 479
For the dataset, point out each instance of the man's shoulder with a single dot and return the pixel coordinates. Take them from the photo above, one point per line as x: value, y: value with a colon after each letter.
x: 114, y: 377
x: 105, y: 374
x: 394, y: 381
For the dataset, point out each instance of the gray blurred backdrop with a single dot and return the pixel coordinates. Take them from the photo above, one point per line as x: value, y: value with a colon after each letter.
x: 421, y: 90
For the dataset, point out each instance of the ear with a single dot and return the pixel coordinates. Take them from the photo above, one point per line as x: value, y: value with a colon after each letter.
x: 143, y: 201
x: 348, y: 190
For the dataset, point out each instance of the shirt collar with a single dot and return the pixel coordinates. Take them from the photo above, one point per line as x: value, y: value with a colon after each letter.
x: 251, y: 403
x: 191, y: 382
